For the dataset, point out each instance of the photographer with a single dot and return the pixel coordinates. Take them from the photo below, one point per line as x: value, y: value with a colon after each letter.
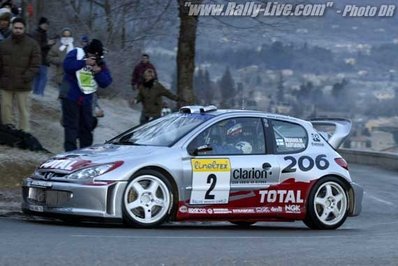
x: 85, y: 71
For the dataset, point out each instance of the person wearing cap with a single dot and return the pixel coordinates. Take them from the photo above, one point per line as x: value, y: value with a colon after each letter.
x: 19, y: 62
x: 5, y: 18
x: 137, y: 77
x: 40, y: 35
x: 85, y: 71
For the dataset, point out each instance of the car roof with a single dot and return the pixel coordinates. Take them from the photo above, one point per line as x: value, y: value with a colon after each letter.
x: 212, y: 110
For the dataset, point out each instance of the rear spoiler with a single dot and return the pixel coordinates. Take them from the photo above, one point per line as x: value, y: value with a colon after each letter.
x: 333, y: 130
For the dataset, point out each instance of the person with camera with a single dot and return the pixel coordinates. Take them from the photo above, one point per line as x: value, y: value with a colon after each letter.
x: 85, y: 71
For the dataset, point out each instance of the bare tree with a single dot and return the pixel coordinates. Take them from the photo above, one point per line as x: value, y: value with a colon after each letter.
x: 186, y: 52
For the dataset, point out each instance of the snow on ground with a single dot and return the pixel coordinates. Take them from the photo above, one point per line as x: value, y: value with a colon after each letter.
x: 15, y: 164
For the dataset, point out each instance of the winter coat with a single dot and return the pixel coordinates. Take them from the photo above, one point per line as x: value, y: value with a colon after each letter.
x: 72, y: 90
x: 151, y: 98
x: 19, y: 63
x: 4, y: 34
x: 56, y: 58
x: 137, y: 75
x: 41, y: 37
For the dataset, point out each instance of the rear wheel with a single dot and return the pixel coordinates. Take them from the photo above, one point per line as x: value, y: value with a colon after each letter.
x: 327, y: 204
x: 147, y: 200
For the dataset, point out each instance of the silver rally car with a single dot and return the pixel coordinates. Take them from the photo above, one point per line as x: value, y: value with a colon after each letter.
x: 204, y: 164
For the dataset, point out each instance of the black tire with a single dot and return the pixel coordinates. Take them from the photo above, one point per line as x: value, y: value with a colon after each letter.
x: 242, y: 224
x: 327, y: 205
x: 147, y: 200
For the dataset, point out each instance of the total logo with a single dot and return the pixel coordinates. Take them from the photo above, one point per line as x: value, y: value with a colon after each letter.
x: 292, y: 209
x: 280, y: 196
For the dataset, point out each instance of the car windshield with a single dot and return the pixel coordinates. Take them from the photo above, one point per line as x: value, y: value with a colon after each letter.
x: 164, y: 131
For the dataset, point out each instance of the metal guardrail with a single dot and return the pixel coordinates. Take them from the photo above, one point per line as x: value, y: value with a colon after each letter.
x: 382, y: 159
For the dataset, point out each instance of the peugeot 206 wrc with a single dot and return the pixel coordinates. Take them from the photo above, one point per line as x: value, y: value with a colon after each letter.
x: 204, y: 164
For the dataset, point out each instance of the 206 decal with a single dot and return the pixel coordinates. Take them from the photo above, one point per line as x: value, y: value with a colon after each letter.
x: 305, y: 163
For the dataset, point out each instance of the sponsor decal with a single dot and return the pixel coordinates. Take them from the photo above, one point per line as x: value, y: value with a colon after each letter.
x: 221, y: 210
x: 65, y: 164
x: 316, y: 140
x: 292, y: 209
x: 280, y: 196
x: 249, y: 176
x: 211, y: 165
x: 276, y: 209
x: 209, y: 211
x: 183, y: 209
x: 263, y: 210
x: 243, y: 211
x: 197, y: 210
x: 211, y: 180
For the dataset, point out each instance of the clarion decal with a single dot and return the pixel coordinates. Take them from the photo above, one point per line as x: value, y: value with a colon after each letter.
x: 249, y: 175
x: 280, y: 196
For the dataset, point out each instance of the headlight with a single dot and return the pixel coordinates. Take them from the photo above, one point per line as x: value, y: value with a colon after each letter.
x: 94, y: 171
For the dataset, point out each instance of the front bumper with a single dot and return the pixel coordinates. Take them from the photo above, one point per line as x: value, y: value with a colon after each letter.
x: 356, y: 195
x: 64, y: 198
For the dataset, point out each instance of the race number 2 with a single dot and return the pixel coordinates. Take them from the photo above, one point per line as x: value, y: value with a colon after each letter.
x: 210, y: 181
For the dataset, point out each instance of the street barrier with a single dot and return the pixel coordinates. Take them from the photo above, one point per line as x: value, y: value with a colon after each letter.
x: 383, y: 159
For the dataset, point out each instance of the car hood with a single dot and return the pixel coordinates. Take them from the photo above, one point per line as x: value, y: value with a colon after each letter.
x: 98, y: 154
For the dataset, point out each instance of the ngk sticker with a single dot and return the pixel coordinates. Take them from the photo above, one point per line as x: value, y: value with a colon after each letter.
x: 280, y: 196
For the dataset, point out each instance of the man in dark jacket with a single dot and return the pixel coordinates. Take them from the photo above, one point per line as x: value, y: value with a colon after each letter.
x: 150, y: 95
x: 40, y: 35
x: 139, y: 69
x: 19, y: 63
x: 85, y: 71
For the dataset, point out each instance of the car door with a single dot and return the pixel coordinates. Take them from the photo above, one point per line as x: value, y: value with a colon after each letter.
x: 230, y: 163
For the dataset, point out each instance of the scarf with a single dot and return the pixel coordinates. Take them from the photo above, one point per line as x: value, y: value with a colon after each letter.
x: 66, y: 43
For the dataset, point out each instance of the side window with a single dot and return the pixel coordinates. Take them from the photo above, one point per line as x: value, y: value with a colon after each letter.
x: 289, y: 137
x: 230, y: 137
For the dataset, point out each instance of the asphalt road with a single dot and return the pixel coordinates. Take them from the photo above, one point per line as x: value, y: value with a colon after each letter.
x: 370, y: 239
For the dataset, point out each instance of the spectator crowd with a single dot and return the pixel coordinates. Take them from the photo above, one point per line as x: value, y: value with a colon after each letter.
x: 79, y: 70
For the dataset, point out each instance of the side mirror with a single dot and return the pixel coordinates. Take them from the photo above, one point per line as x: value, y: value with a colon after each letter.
x: 202, y: 149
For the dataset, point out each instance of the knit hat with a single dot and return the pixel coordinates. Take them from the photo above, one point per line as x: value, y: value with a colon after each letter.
x: 84, y: 38
x: 66, y: 29
x: 5, y: 14
x: 43, y: 20
x: 95, y: 47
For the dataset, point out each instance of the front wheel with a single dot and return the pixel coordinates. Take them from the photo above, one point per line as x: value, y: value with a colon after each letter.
x: 147, y: 200
x: 327, y: 204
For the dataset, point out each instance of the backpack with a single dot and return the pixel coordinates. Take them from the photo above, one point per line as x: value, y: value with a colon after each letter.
x: 13, y: 137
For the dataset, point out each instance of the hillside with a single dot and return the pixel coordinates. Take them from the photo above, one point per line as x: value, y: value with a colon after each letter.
x: 15, y: 164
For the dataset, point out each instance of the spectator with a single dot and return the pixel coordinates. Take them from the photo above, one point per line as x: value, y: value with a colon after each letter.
x: 84, y: 40
x: 40, y: 35
x: 11, y: 7
x: 84, y: 70
x: 57, y: 55
x: 19, y: 62
x: 150, y: 95
x: 5, y: 17
x: 139, y: 69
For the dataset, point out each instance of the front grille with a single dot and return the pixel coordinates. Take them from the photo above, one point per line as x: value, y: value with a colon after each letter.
x: 49, y: 198
x: 49, y: 175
